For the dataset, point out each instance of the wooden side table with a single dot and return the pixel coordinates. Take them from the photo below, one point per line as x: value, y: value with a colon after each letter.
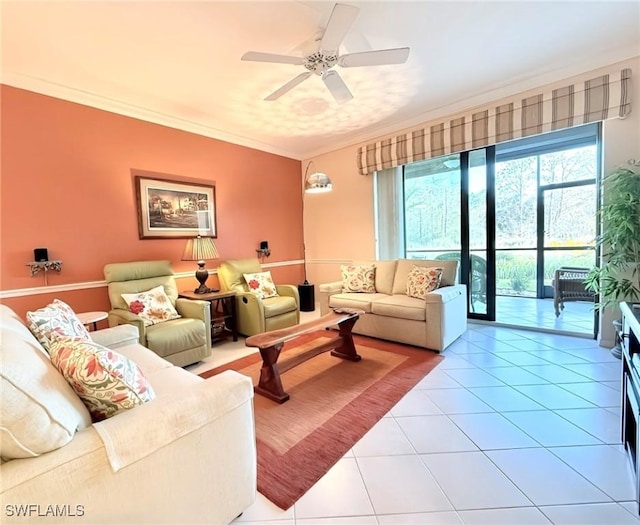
x: 223, y: 312
x: 92, y: 318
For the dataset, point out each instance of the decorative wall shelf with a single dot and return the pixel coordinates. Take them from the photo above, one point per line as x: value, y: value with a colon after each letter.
x: 44, y: 266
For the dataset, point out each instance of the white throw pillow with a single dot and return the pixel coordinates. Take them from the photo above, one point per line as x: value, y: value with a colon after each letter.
x: 421, y: 281
x: 358, y: 278
x: 261, y: 284
x: 153, y: 306
x: 39, y: 411
x: 105, y: 380
x: 57, y: 319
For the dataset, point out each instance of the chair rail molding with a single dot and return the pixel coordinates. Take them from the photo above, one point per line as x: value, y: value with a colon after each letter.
x: 70, y: 287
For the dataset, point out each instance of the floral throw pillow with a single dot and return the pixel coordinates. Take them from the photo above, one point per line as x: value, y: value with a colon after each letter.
x: 421, y: 281
x: 261, y: 284
x: 55, y: 320
x: 153, y: 306
x: 358, y: 278
x: 106, y: 381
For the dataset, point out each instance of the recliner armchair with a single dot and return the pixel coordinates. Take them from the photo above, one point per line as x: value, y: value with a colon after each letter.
x: 255, y: 315
x: 180, y: 341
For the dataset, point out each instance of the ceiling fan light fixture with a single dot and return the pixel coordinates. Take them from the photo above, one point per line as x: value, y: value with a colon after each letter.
x: 327, y: 56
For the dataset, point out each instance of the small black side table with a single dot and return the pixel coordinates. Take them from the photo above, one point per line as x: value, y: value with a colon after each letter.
x: 223, y: 313
x: 307, y: 294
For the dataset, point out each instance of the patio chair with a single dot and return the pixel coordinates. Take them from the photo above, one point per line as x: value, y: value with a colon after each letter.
x: 478, y: 285
x: 568, y: 285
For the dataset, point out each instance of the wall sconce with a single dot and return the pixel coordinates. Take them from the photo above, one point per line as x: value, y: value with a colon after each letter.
x: 264, y: 250
x: 41, y: 263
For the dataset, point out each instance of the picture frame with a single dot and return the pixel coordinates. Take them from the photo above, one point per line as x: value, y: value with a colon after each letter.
x: 175, y: 209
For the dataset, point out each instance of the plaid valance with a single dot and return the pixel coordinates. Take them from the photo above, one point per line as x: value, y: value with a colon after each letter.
x: 600, y: 98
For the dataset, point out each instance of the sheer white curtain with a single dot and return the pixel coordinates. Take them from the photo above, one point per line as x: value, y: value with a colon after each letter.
x: 389, y: 213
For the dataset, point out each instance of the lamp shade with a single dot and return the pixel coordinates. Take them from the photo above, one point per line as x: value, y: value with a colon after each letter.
x: 318, y: 183
x: 200, y: 249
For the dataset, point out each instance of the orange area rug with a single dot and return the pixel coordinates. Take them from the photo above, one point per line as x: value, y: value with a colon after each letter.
x: 333, y: 403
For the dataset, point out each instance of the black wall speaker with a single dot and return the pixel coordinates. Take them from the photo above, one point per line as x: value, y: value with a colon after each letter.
x: 40, y: 254
x: 264, y: 245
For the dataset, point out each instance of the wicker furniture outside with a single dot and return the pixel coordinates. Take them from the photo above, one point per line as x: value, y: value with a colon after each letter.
x: 568, y: 285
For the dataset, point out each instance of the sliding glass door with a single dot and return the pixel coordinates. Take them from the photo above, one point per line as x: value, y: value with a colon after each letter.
x: 511, y: 214
x: 447, y: 217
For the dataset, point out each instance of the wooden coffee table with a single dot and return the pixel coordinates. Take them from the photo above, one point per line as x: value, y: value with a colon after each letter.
x: 270, y: 344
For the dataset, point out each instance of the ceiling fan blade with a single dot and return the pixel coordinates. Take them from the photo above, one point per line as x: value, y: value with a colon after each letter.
x: 256, y: 56
x: 336, y: 85
x: 375, y: 58
x: 289, y: 85
x: 339, y: 23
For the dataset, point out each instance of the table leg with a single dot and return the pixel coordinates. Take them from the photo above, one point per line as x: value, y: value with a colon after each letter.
x: 270, y: 384
x: 347, y: 350
x: 234, y: 321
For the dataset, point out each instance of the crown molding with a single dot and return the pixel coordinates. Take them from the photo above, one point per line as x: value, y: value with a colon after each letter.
x: 85, y: 98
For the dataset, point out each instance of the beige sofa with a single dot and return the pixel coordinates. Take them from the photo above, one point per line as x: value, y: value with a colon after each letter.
x: 390, y: 314
x: 188, y: 456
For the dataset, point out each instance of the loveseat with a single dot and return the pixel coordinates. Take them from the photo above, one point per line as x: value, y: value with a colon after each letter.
x: 433, y: 322
x: 187, y: 456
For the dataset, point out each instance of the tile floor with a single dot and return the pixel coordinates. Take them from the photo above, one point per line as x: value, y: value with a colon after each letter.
x: 577, y: 317
x: 513, y: 427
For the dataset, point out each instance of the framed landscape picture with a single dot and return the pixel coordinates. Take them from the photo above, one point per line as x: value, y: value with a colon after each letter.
x: 175, y: 209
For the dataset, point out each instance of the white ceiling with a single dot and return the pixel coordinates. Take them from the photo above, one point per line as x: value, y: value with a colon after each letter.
x: 178, y: 62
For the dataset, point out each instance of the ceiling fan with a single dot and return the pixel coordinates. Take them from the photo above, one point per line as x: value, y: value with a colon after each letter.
x: 326, y: 57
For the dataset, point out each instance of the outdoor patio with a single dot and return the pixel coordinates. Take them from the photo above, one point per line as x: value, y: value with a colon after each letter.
x: 577, y: 317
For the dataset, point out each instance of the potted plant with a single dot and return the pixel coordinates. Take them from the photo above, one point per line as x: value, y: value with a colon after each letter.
x: 618, y: 279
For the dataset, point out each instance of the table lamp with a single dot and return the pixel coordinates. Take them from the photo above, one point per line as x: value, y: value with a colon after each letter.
x: 201, y: 249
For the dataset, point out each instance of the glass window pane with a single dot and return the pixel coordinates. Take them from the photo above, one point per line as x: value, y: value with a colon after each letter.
x: 554, y: 259
x: 478, y: 282
x: 516, y: 194
x: 432, y: 206
x: 569, y: 216
x: 477, y: 200
x: 568, y: 166
x: 516, y: 273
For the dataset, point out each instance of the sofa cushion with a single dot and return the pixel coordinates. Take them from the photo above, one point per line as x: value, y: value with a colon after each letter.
x: 168, y: 382
x: 449, y: 272
x: 385, y: 272
x: 57, y: 319
x: 152, y: 306
x: 359, y: 301
x: 39, y: 411
x: 105, y: 380
x: 261, y: 284
x: 421, y: 281
x: 400, y: 306
x: 275, y: 306
x: 358, y: 278
x: 146, y: 360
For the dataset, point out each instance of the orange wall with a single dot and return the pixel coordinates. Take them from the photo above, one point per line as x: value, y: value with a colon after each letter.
x: 66, y: 185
